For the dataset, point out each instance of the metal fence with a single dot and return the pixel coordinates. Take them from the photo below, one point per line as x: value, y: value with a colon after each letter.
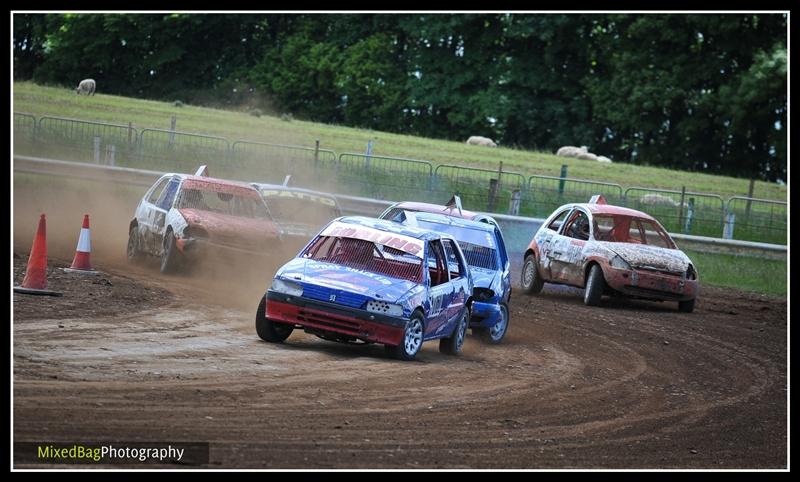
x: 272, y: 162
x: 391, y: 178
x: 182, y: 151
x: 383, y: 177
x: 480, y: 189
x: 75, y: 139
x: 761, y: 220
x: 684, y: 212
x: 547, y: 193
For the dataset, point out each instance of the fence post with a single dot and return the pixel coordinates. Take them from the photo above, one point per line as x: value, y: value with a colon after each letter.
x: 368, y: 156
x: 562, y: 180
x: 492, y: 194
x: 689, y: 215
x: 680, y: 206
x: 727, y: 232
x: 111, y: 152
x: 513, y: 206
x: 130, y: 133
x: 172, y: 125
x: 316, y: 154
x: 750, y: 196
x: 97, y: 149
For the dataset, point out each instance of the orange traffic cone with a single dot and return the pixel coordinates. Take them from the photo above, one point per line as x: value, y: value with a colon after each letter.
x: 80, y: 263
x: 35, y: 281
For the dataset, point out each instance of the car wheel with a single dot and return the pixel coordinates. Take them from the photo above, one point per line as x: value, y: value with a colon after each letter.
x: 595, y: 285
x: 495, y: 334
x: 412, y: 339
x: 453, y: 345
x: 686, y: 306
x: 267, y: 329
x: 169, y: 256
x: 532, y: 281
x: 135, y: 254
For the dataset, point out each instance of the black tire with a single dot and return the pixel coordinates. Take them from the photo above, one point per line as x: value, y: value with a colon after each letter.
x: 412, y: 339
x: 595, y: 285
x: 531, y: 281
x: 686, y: 306
x: 453, y: 345
x: 169, y: 256
x: 495, y: 335
x: 267, y: 329
x: 135, y: 254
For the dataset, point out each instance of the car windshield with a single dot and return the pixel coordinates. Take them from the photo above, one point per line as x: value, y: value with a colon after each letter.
x: 365, y: 255
x: 630, y: 229
x: 478, y: 246
x: 312, y: 210
x: 223, y: 203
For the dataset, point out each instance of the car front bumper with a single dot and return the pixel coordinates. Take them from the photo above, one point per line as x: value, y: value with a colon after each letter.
x: 651, y: 285
x: 484, y: 314
x: 336, y: 320
x: 199, y: 247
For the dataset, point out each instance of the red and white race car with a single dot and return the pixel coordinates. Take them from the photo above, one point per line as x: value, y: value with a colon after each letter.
x: 609, y: 250
x: 183, y: 217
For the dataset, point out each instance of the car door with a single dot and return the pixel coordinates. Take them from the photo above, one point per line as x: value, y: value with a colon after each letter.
x: 566, y: 265
x: 549, y: 242
x: 440, y: 290
x: 144, y: 213
x: 457, y: 267
x: 505, y: 263
x: 158, y: 213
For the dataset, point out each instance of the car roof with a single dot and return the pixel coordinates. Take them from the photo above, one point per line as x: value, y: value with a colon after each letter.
x: 209, y: 180
x: 281, y: 187
x: 393, y: 227
x: 436, y: 209
x: 609, y: 209
x: 453, y: 221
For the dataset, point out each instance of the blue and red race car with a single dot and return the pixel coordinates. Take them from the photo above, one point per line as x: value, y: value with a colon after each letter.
x: 368, y: 280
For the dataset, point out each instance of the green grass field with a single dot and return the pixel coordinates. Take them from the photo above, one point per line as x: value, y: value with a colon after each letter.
x: 63, y: 102
x: 742, y: 272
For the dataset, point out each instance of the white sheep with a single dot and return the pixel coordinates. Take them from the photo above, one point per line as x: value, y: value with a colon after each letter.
x: 572, y: 151
x: 481, y: 141
x: 86, y: 86
x: 603, y: 159
x: 587, y: 156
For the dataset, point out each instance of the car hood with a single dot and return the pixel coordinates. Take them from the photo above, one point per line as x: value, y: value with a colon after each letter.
x: 482, y: 277
x: 652, y: 257
x: 373, y: 285
x: 224, y: 227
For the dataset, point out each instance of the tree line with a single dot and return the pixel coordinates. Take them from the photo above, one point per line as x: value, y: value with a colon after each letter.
x: 701, y: 92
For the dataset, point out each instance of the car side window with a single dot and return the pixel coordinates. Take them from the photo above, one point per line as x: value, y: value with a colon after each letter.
x: 558, y: 221
x: 168, y: 194
x: 501, y: 247
x: 436, y: 264
x: 453, y: 260
x: 578, y: 226
x: 156, y: 192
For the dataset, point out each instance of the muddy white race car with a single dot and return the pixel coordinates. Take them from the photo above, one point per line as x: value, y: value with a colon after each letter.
x: 609, y: 250
x: 183, y: 218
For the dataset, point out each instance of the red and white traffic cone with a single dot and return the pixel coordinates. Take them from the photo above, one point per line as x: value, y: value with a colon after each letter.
x: 81, y: 264
x: 35, y: 281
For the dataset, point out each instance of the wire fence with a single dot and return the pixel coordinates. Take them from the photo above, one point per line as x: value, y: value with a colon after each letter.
x: 391, y: 178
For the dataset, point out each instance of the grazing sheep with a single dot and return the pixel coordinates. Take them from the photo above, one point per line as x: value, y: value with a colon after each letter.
x: 481, y: 141
x: 572, y: 151
x: 603, y: 159
x: 86, y: 86
x: 658, y: 200
x: 587, y: 156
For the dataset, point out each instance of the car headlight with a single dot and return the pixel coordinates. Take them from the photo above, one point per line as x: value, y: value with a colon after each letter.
x: 619, y: 263
x: 691, y: 274
x: 384, y: 308
x: 483, y: 294
x: 287, y: 287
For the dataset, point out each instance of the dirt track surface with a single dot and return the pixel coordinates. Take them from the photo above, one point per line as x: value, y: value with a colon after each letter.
x: 627, y: 385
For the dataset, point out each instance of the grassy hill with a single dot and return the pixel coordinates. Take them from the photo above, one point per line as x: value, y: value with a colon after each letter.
x: 62, y: 102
